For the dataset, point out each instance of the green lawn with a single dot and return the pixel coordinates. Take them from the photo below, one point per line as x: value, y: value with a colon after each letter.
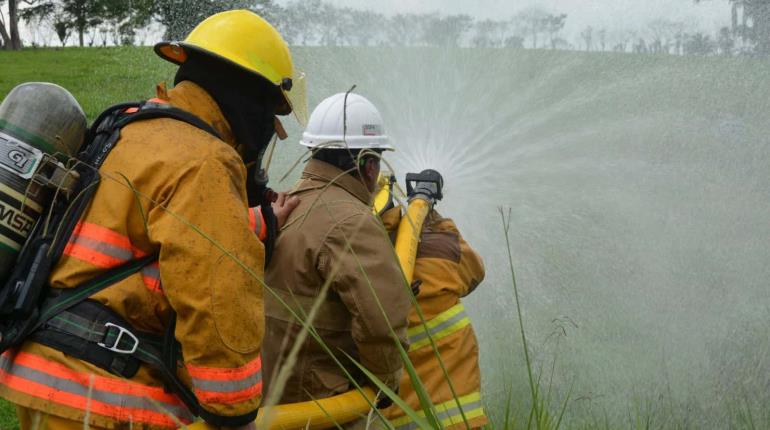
x: 97, y: 77
x: 7, y: 416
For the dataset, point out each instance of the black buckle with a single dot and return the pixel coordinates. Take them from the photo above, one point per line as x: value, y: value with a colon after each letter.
x: 115, y: 347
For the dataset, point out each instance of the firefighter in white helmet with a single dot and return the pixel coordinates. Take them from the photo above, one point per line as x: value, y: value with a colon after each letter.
x: 333, y: 239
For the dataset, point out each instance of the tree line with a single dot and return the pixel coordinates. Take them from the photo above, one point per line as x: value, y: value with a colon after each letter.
x: 315, y: 22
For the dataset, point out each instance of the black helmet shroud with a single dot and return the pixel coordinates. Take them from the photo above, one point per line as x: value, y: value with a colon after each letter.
x: 248, y: 103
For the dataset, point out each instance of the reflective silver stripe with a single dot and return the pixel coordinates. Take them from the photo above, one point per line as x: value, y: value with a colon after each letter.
x: 75, y: 388
x: 227, y: 386
x: 257, y: 219
x: 434, y: 331
x: 151, y: 271
x: 452, y: 414
x: 104, y: 248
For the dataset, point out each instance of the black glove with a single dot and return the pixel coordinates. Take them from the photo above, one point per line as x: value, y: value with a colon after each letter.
x: 271, y: 222
x: 383, y: 401
x: 416, y: 287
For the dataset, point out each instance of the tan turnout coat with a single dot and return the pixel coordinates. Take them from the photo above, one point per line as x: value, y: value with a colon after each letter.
x: 448, y: 269
x: 171, y: 188
x: 333, y: 237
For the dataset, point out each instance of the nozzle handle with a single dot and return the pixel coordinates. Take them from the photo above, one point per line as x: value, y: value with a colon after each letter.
x: 428, y: 184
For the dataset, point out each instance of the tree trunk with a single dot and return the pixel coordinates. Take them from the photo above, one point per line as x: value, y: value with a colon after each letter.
x: 81, y: 30
x: 5, y: 39
x: 13, y: 24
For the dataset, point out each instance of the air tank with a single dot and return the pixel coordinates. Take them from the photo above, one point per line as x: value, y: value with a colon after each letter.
x: 41, y: 127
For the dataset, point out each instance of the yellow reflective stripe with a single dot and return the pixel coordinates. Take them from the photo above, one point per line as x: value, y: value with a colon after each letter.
x: 469, y: 415
x: 9, y: 243
x: 443, y: 316
x: 439, y: 327
x: 448, y: 412
x: 21, y: 197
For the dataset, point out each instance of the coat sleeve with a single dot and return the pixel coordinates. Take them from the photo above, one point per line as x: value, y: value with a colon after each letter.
x: 359, y: 259
x: 211, y: 269
x: 470, y: 267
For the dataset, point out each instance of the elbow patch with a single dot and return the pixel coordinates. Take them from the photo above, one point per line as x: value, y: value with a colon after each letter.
x: 440, y: 244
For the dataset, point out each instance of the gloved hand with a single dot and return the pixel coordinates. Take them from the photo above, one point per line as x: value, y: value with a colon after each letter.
x: 383, y: 401
x: 416, y: 287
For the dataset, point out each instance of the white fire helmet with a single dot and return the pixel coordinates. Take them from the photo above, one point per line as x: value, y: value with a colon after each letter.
x: 327, y: 125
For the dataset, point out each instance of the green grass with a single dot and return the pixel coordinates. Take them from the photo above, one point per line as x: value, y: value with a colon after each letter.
x: 8, y: 416
x: 97, y: 77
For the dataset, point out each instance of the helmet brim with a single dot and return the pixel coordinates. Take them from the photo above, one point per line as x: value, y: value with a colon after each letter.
x: 327, y: 142
x: 179, y: 52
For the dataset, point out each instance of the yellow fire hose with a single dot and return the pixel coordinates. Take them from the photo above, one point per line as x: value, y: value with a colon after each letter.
x: 423, y: 190
x: 328, y: 412
x: 408, y: 236
x: 312, y: 415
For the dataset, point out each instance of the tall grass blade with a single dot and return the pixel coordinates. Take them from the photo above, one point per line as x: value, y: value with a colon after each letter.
x: 507, y: 420
x: 506, y: 228
x: 564, y: 406
x: 420, y: 421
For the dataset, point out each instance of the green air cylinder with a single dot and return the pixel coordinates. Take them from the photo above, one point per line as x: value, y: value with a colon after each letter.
x: 39, y: 123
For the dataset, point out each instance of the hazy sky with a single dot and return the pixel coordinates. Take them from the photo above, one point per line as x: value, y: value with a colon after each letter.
x: 613, y: 15
x: 610, y: 14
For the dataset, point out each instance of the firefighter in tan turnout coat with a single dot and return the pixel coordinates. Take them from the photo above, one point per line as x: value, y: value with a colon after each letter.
x: 448, y: 269
x: 174, y: 190
x: 333, y: 239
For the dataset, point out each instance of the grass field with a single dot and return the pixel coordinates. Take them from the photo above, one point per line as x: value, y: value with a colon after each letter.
x: 7, y: 416
x: 96, y: 77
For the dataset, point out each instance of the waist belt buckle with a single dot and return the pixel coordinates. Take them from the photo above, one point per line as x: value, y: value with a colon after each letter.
x: 115, y: 347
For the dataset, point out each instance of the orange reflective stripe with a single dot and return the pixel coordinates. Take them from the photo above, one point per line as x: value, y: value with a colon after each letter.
x: 263, y: 227
x: 227, y: 385
x: 226, y: 373
x: 100, y: 246
x: 105, y: 248
x: 229, y: 397
x: 75, y: 401
x: 90, y: 256
x: 119, y: 399
x: 253, y: 220
x: 102, y: 234
x: 255, y: 214
x: 151, y: 278
x: 115, y: 385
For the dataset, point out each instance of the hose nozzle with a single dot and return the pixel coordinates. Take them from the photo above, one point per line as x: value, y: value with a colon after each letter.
x: 427, y: 185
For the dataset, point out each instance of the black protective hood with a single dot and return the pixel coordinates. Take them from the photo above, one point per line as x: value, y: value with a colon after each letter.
x: 247, y: 103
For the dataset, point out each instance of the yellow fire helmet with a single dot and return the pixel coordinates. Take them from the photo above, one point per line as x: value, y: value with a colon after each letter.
x: 244, y: 38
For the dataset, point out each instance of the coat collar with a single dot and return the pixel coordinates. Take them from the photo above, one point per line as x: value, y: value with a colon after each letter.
x: 192, y: 98
x: 318, y: 174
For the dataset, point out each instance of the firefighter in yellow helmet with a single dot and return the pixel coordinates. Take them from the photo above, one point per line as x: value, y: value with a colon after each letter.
x: 445, y: 270
x: 180, y: 338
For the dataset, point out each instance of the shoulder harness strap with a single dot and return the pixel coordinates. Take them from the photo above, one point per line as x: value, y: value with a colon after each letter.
x: 89, y: 330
